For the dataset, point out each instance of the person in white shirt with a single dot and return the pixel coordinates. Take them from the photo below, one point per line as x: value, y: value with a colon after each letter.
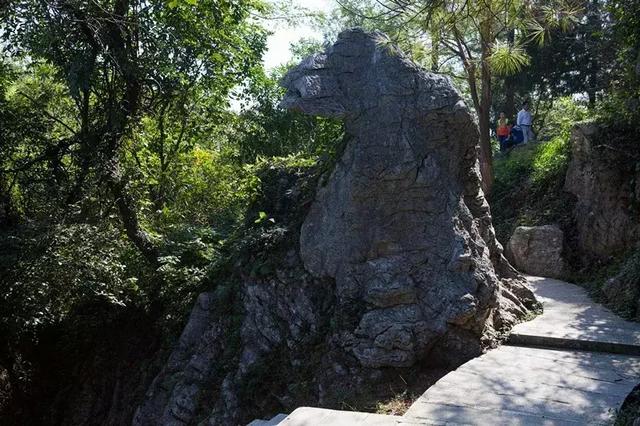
x: 524, y: 121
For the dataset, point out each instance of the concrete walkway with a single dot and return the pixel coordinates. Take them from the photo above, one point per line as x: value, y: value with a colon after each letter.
x: 530, y: 386
x: 539, y: 378
x: 572, y: 320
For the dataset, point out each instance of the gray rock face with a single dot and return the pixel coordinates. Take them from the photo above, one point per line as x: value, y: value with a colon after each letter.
x: 174, y: 394
x: 537, y: 250
x: 622, y: 291
x: 605, y: 184
x: 397, y: 260
x: 401, y: 223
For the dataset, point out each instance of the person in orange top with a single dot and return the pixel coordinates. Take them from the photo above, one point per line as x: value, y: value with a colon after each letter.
x: 503, y: 130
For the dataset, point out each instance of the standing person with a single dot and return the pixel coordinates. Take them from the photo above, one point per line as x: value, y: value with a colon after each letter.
x: 502, y: 131
x: 524, y: 121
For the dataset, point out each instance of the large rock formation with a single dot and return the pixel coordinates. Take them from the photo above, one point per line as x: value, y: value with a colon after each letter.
x: 605, y: 179
x: 397, y: 261
x: 402, y: 223
x: 537, y: 250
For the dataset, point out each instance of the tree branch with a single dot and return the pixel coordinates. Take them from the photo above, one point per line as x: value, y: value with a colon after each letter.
x: 47, y: 113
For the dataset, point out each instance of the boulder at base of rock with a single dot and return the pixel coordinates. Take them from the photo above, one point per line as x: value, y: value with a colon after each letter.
x: 537, y: 250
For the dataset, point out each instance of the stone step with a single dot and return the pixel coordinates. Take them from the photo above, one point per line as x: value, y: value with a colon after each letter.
x: 426, y: 413
x: 310, y: 416
x: 574, y: 364
x: 540, y: 341
x: 530, y: 386
x: 566, y: 360
x: 571, y: 320
x: 276, y: 420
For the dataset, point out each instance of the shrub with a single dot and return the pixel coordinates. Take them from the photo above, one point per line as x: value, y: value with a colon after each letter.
x: 550, y: 161
x: 562, y: 116
x: 46, y: 271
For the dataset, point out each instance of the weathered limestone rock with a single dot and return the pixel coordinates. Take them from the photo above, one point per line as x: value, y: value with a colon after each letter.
x: 622, y: 291
x: 537, y: 250
x: 401, y: 223
x: 606, y: 186
x: 397, y: 260
x: 246, y: 342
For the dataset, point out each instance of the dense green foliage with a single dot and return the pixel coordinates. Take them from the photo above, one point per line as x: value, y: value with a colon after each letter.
x: 125, y: 176
x: 75, y: 145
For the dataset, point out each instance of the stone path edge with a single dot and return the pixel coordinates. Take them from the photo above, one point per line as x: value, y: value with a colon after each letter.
x: 545, y: 342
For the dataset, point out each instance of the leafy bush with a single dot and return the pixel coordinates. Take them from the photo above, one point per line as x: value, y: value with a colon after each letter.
x: 629, y: 412
x: 275, y: 212
x: 563, y: 115
x: 46, y: 271
x: 187, y: 253
x: 630, y: 275
x: 513, y: 169
x: 550, y: 162
x: 266, y: 130
x: 209, y: 190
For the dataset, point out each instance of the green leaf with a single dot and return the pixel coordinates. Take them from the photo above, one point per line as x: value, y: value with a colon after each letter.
x: 261, y: 217
x: 508, y: 60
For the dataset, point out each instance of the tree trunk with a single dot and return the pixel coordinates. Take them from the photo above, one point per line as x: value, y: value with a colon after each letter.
x: 435, y: 52
x: 484, y: 113
x: 7, y: 211
x: 594, y: 26
x: 128, y: 212
x: 486, y: 153
x: 486, y: 163
x: 510, y: 99
x: 509, y: 86
x: 121, y: 43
